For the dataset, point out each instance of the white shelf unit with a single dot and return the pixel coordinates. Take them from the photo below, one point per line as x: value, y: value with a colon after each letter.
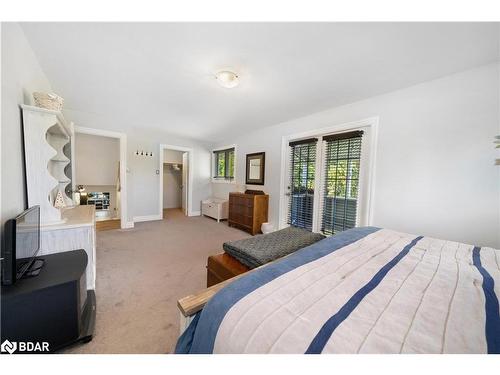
x: 46, y: 132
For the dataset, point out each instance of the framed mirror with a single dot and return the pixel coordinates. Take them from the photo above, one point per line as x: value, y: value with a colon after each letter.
x: 256, y: 168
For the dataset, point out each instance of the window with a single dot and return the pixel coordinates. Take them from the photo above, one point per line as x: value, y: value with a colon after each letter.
x: 302, y: 180
x: 224, y: 164
x: 341, y: 181
x: 324, y: 175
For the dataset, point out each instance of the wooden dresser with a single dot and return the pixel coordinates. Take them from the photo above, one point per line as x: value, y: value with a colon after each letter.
x: 248, y: 211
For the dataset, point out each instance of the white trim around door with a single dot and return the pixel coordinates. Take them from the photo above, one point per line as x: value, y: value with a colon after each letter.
x: 367, y: 175
x: 189, y: 150
x: 123, y: 168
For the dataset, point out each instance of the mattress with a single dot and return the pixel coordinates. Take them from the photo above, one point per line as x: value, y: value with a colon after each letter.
x: 261, y: 249
x: 365, y: 290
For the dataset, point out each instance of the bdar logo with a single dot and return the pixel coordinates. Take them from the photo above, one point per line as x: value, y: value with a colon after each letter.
x: 9, y: 347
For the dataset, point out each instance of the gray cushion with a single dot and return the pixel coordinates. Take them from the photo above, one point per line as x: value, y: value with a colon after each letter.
x: 261, y: 249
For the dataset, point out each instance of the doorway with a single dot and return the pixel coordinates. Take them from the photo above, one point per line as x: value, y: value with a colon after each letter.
x: 174, y: 182
x: 100, y: 175
x: 326, y: 177
x: 175, y: 170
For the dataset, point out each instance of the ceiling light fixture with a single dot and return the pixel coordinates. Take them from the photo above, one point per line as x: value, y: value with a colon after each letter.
x: 227, y: 79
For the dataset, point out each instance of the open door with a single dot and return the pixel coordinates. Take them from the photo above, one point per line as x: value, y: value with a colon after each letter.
x: 185, y: 174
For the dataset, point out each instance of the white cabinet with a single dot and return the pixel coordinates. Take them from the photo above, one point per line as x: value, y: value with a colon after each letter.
x: 76, y: 232
x: 215, y: 207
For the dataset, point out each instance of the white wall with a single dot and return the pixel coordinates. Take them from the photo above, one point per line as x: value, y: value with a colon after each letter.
x: 21, y: 75
x: 435, y: 172
x: 172, y: 156
x: 96, y: 159
x: 172, y: 183
x: 222, y: 189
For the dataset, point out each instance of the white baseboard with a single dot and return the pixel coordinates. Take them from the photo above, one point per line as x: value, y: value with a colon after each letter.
x: 128, y: 225
x: 195, y: 213
x: 138, y: 219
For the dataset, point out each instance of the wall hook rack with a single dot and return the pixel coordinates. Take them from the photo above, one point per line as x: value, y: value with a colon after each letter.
x: 143, y: 153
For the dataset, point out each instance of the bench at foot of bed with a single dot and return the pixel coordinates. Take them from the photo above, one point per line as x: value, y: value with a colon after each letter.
x: 221, y: 267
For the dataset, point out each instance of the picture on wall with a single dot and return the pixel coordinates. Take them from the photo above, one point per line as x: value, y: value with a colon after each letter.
x: 255, y: 168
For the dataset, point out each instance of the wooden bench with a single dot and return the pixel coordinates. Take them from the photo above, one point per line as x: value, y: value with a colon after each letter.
x: 190, y: 305
x: 222, y: 267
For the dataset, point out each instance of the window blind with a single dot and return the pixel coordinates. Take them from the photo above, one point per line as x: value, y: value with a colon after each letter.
x: 301, y: 189
x: 341, y: 181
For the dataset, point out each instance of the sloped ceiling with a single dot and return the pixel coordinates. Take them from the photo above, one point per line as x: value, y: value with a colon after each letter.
x: 160, y: 75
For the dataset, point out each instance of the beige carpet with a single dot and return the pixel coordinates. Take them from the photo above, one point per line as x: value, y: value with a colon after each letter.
x: 142, y: 272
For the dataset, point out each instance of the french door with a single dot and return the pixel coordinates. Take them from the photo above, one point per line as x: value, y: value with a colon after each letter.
x: 301, y: 189
x: 323, y: 188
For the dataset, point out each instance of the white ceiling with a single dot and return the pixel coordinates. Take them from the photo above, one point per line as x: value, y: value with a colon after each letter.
x: 160, y: 75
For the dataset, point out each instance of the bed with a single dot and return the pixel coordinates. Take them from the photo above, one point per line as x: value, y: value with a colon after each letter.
x: 365, y: 290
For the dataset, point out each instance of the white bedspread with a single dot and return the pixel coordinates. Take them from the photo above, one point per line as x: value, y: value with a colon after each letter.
x: 387, y: 292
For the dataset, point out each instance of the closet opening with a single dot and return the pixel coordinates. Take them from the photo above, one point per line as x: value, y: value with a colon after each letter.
x: 175, y: 181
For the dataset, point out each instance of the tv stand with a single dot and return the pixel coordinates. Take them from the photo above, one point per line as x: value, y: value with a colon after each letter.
x: 53, y: 307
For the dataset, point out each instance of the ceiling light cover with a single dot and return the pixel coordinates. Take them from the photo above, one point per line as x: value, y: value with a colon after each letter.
x: 227, y: 79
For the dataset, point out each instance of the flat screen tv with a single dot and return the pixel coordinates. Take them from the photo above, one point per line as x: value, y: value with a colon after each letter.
x: 22, y: 243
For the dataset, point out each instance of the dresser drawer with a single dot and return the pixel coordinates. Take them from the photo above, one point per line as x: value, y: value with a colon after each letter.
x: 249, y: 202
x: 248, y: 211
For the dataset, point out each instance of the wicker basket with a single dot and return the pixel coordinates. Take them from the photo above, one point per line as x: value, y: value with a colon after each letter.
x: 48, y: 101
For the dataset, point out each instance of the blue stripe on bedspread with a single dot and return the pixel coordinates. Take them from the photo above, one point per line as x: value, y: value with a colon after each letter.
x: 184, y: 342
x: 492, y: 327
x: 205, y: 331
x: 326, y: 331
